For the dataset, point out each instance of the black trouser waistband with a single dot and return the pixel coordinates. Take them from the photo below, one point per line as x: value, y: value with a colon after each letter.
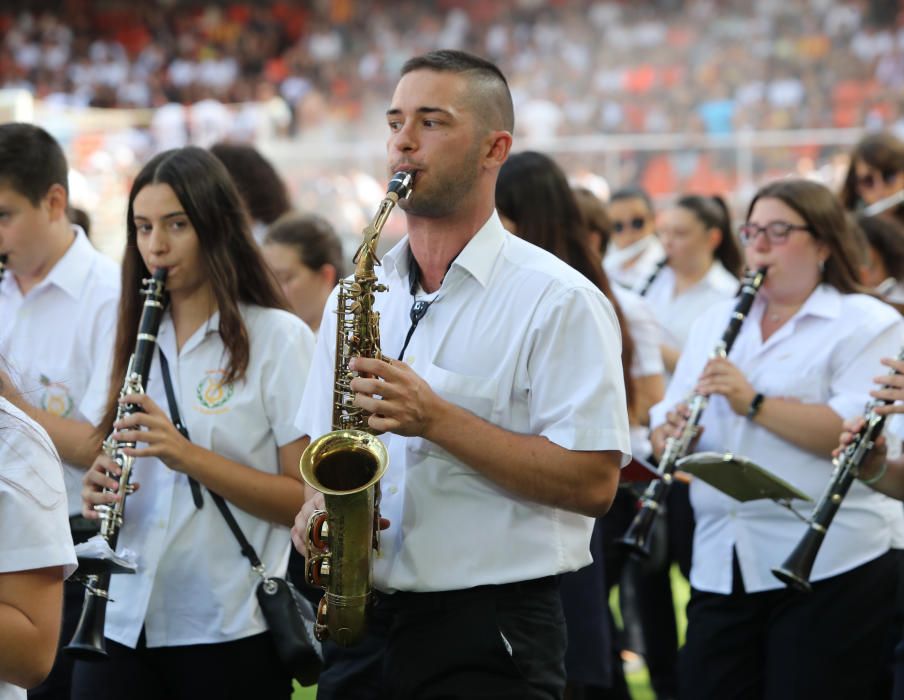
x: 437, y: 600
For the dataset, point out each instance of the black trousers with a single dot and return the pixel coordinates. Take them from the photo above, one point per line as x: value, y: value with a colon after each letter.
x: 237, y: 670
x: 645, y: 591
x: 786, y: 645
x: 57, y: 685
x: 501, y: 642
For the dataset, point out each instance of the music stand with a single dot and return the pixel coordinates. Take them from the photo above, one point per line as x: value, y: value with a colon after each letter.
x: 739, y: 478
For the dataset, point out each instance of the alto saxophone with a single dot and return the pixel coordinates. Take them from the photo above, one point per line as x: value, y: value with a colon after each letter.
x: 347, y: 463
x: 87, y: 643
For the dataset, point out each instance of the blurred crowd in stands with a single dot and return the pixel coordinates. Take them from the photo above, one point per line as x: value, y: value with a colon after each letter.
x: 313, y: 79
x: 576, y: 67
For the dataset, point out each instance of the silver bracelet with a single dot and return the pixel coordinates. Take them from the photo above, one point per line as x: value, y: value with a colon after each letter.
x: 874, y: 479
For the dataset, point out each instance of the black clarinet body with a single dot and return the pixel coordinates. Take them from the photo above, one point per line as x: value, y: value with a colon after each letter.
x: 796, y: 569
x: 87, y: 643
x: 637, y: 536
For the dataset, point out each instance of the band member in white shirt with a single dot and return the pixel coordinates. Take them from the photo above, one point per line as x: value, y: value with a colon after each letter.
x: 505, y: 418
x: 305, y: 254
x: 635, y: 249
x: 57, y: 305
x: 188, y: 623
x: 36, y: 551
x: 536, y: 203
x: 703, y: 266
x: 802, y: 361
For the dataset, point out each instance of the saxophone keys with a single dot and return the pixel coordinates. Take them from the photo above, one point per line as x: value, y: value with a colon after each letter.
x: 318, y: 530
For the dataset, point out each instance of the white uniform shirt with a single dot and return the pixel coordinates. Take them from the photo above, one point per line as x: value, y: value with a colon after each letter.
x: 54, y: 336
x: 521, y: 340
x: 647, y: 337
x: 193, y: 585
x: 677, y: 313
x: 646, y: 253
x: 34, y: 519
x: 826, y: 354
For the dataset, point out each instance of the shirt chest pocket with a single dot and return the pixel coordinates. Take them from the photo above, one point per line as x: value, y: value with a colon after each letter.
x: 478, y: 395
x: 792, y: 378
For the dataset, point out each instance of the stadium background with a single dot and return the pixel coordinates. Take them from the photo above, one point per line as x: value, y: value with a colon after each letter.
x: 677, y: 96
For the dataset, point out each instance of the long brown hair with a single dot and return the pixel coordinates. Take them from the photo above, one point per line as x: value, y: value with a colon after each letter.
x: 232, y: 261
x: 533, y: 192
x: 825, y: 216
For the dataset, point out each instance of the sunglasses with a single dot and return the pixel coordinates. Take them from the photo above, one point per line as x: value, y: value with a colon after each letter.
x: 637, y: 223
x: 870, y: 180
x: 776, y: 232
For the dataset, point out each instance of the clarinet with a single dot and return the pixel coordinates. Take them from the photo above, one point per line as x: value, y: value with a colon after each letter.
x: 88, y: 641
x: 652, y: 278
x: 2, y: 266
x: 795, y: 572
x: 637, y: 537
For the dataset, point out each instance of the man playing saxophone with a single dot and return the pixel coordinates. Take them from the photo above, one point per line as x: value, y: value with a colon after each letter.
x: 501, y: 403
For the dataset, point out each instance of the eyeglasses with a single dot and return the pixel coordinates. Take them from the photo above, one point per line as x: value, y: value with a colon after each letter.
x: 870, y: 180
x: 637, y: 223
x: 777, y: 232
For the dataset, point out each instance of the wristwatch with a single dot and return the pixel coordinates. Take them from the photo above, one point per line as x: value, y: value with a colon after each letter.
x: 754, y: 407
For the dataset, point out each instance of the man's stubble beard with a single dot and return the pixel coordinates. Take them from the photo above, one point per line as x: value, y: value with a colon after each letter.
x: 443, y: 198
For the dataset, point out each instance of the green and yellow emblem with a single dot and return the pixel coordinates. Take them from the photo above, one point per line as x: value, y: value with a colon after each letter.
x: 56, y: 398
x: 212, y: 393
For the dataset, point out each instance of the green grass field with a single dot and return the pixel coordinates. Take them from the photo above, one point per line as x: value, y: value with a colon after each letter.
x: 638, y: 682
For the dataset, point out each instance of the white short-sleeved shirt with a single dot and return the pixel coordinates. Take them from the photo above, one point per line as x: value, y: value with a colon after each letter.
x: 521, y: 340
x: 677, y: 313
x: 34, y: 520
x: 826, y: 354
x: 647, y: 337
x: 54, y: 337
x: 645, y: 332
x: 193, y: 585
x: 648, y: 253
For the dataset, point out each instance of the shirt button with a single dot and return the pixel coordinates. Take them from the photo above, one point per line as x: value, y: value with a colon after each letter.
x: 393, y: 490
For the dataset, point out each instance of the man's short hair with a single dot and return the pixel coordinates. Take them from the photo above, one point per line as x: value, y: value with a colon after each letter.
x: 31, y: 161
x: 491, y: 98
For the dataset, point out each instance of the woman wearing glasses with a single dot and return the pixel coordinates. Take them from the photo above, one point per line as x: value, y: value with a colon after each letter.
x: 802, y: 362
x: 635, y: 250
x: 876, y: 173
x: 704, y: 263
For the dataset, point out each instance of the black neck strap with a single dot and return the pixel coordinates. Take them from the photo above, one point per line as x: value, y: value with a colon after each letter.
x: 419, y: 307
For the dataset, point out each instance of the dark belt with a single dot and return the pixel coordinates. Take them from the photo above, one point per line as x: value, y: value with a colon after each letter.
x: 439, y: 600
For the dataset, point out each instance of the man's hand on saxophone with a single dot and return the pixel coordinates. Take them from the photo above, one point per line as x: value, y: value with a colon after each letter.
x: 406, y: 405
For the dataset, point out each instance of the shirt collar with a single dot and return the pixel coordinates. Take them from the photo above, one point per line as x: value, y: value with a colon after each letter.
x: 823, y: 302
x: 476, y: 258
x: 72, y: 270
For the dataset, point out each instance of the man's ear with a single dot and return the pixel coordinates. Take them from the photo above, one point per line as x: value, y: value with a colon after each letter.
x: 57, y: 201
x: 498, y: 146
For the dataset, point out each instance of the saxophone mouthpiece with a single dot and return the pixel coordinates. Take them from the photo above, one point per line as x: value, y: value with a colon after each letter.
x: 402, y: 184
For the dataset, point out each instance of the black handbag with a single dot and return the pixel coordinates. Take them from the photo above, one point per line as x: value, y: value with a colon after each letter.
x: 289, y: 615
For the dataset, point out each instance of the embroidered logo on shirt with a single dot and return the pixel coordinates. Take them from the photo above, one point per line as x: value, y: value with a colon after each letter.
x: 56, y: 398
x: 212, y: 393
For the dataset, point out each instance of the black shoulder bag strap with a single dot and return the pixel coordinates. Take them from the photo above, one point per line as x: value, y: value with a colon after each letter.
x: 247, y: 549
